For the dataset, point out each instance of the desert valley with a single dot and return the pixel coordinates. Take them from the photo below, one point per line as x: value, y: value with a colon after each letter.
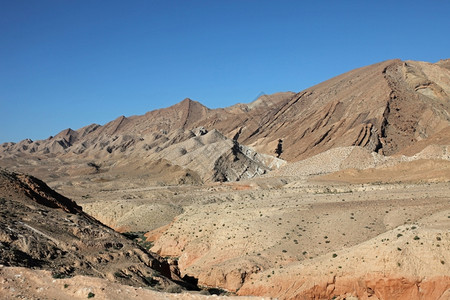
x: 340, y: 191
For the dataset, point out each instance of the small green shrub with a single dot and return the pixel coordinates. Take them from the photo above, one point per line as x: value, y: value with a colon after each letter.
x: 58, y: 275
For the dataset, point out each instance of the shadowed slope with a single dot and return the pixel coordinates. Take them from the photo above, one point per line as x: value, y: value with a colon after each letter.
x: 39, y: 228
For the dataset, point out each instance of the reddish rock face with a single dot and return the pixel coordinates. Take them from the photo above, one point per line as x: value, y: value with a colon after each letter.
x: 371, y: 287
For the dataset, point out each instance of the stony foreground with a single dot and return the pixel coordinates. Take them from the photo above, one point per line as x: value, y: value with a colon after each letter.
x: 23, y: 283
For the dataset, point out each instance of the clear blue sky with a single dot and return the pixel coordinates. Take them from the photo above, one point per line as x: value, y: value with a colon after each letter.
x: 72, y: 63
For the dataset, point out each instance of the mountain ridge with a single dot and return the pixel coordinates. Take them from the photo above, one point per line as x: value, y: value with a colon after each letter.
x: 385, y: 107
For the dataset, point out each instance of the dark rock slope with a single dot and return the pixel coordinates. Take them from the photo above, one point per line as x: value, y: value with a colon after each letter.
x: 42, y: 229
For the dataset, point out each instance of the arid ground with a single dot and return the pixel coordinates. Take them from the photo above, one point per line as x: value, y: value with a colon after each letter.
x: 356, y: 207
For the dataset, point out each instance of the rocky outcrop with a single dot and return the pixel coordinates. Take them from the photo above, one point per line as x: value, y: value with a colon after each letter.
x: 37, y: 190
x: 217, y: 158
x: 418, y: 106
x: 369, y: 287
x: 42, y: 229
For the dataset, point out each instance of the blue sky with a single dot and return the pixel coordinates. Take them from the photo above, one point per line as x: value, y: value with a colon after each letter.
x: 72, y: 63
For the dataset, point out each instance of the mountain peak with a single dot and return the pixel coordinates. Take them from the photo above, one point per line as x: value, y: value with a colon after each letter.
x: 65, y: 132
x: 189, y: 102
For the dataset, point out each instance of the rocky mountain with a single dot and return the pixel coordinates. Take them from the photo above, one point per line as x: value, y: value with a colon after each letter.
x: 41, y: 229
x: 385, y: 107
x: 189, y: 156
x: 356, y: 207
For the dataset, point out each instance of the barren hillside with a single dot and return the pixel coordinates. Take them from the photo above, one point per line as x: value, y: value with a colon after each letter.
x: 385, y: 107
x: 356, y: 207
x: 41, y: 229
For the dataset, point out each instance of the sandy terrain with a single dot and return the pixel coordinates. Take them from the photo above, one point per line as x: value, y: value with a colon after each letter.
x: 231, y: 234
x: 267, y: 235
x: 23, y: 283
x: 253, y: 236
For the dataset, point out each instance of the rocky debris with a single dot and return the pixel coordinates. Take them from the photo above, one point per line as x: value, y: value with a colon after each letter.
x: 333, y: 160
x: 41, y: 229
x: 359, y: 158
x: 37, y: 284
x: 217, y: 158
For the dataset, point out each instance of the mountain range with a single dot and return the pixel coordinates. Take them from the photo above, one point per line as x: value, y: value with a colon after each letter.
x: 340, y: 191
x: 386, y: 107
